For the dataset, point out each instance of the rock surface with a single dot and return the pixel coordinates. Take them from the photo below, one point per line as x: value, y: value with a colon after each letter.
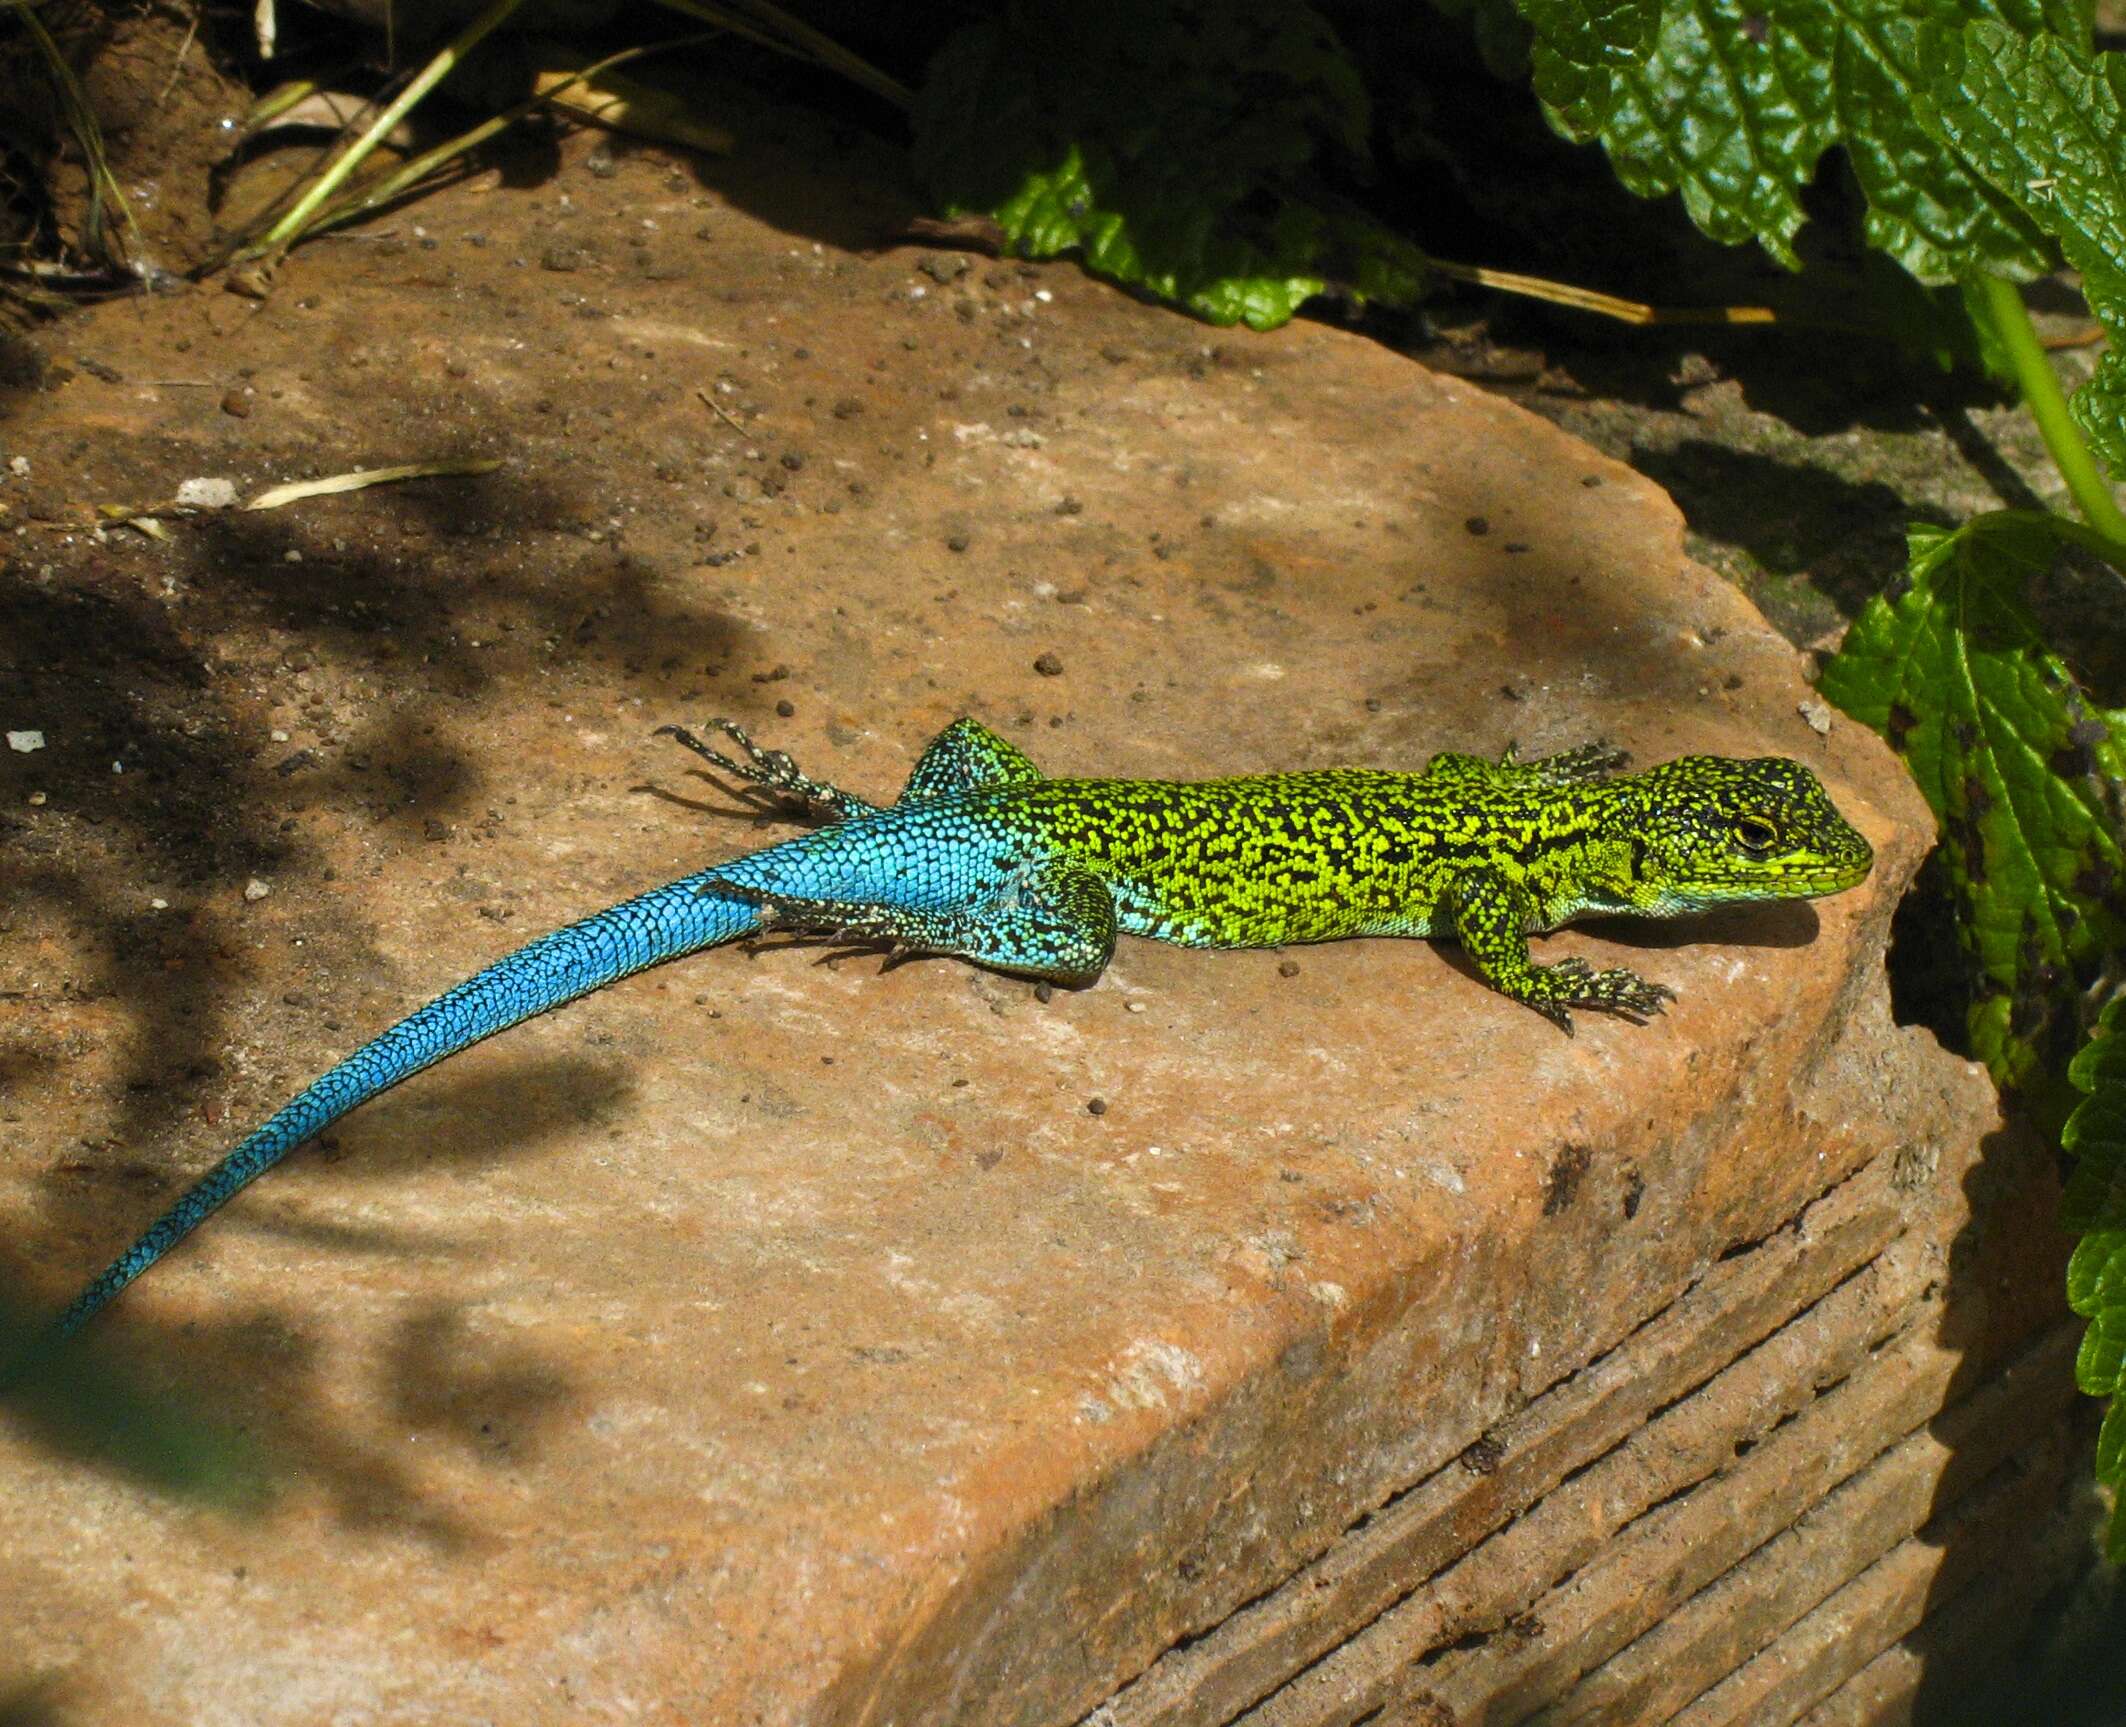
x: 778, y: 1338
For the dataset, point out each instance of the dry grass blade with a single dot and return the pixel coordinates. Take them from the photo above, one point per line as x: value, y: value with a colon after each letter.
x: 409, y: 175
x: 81, y: 121
x: 291, y: 227
x: 626, y: 106
x: 296, y: 490
x: 771, y: 27
x: 1603, y: 305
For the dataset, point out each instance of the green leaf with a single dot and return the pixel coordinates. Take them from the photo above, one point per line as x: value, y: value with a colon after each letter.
x: 1708, y: 113
x: 1171, y: 143
x: 2026, y: 777
x: 1579, y: 46
x: 2111, y: 1445
x: 2095, y: 1201
x: 2086, y: 1269
x: 2096, y: 1275
x: 2042, y: 122
x: 1735, y: 103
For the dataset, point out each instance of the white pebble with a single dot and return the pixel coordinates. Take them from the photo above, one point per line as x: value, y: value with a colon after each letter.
x: 255, y: 890
x: 23, y: 742
x: 207, y: 494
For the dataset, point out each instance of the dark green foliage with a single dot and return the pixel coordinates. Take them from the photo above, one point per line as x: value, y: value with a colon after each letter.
x: 1173, y: 144
x: 2042, y: 123
x: 2026, y: 776
x: 2096, y: 1276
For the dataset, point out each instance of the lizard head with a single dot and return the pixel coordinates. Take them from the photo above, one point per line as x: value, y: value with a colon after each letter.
x: 1716, y: 830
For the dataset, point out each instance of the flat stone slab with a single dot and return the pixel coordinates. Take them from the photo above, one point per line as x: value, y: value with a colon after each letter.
x: 780, y: 1337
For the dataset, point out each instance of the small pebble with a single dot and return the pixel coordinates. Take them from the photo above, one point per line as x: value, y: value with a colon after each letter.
x: 786, y: 709
x: 255, y: 890
x: 237, y: 405
x: 1288, y: 968
x: 207, y: 494
x: 1044, y: 992
x: 1133, y: 1007
x: 1478, y: 525
x: 958, y: 543
x: 1049, y: 665
x: 1096, y: 1106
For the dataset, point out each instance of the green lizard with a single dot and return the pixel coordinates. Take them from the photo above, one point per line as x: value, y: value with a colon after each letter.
x: 984, y: 857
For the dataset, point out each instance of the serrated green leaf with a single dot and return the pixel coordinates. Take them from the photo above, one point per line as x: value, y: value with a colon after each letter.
x: 1170, y: 143
x: 2103, y: 1353
x: 2086, y: 1268
x: 1707, y: 112
x: 2096, y: 1190
x: 2111, y: 1444
x: 1734, y: 104
x: 1577, y: 49
x: 2026, y: 777
x: 2042, y: 122
x: 1925, y: 207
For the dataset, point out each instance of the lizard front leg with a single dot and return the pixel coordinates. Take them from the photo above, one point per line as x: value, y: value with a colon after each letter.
x: 1491, y: 919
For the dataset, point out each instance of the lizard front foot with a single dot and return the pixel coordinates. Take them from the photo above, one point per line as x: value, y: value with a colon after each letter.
x: 1574, y: 983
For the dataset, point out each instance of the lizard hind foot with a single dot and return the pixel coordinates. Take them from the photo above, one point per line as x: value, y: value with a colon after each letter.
x: 771, y: 770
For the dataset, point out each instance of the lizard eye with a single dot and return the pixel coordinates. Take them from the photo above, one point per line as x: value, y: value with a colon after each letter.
x: 1755, y: 836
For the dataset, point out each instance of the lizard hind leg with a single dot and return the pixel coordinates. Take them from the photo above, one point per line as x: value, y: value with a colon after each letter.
x: 966, y: 756
x: 771, y: 770
x: 1574, y: 767
x: 1585, y: 765
x: 1057, y: 923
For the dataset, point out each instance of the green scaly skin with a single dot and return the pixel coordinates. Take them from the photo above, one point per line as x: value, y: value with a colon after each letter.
x: 1486, y: 853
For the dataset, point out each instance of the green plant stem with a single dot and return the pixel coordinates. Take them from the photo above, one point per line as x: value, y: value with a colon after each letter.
x: 2040, y: 385
x: 289, y: 228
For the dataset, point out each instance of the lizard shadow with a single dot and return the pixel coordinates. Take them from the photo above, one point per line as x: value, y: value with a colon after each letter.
x: 1773, y: 923
x: 1776, y: 924
x: 517, y: 1110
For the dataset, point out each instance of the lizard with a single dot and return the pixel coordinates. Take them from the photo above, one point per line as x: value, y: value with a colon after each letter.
x: 984, y: 857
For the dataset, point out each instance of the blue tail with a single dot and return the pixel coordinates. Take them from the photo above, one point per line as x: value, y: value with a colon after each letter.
x: 662, y: 924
